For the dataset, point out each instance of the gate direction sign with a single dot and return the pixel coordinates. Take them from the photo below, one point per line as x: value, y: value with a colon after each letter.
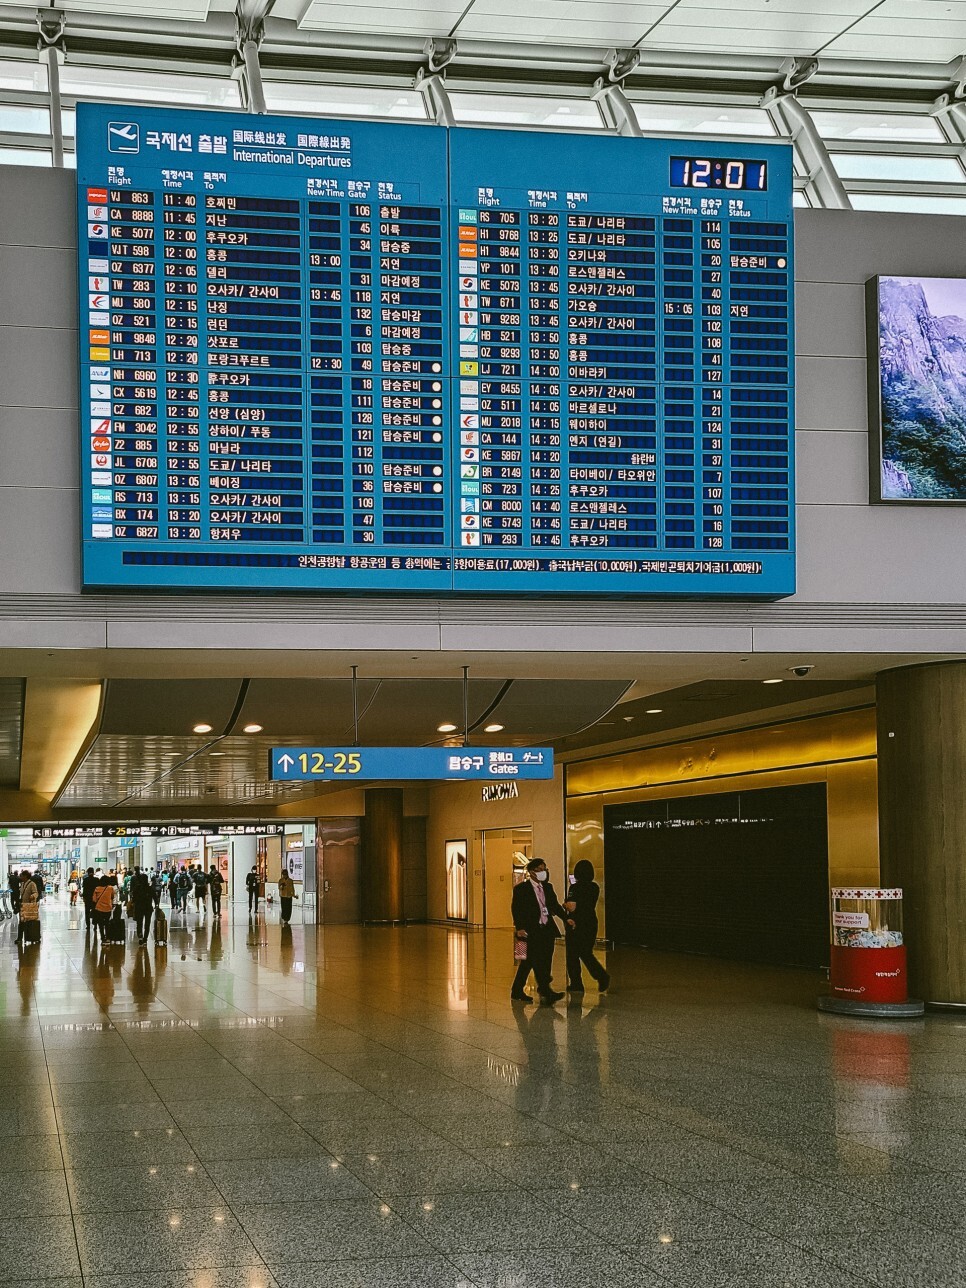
x: 343, y: 764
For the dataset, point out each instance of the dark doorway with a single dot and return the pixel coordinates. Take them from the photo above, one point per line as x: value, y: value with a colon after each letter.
x: 742, y: 875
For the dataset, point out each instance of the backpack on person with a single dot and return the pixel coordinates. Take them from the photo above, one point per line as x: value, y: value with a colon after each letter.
x: 160, y: 928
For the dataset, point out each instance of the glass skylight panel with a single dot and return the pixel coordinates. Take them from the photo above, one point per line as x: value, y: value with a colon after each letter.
x: 146, y: 86
x: 15, y: 119
x: 512, y: 109
x: 25, y: 156
x: 908, y: 202
x: 30, y: 77
x: 877, y: 127
x: 344, y: 100
x: 902, y: 169
x: 698, y: 118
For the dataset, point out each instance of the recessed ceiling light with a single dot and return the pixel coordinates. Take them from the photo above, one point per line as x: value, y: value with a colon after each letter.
x: 253, y: 728
x: 216, y: 753
x: 202, y: 728
x: 446, y: 728
x: 773, y: 681
x: 653, y: 711
x: 493, y: 728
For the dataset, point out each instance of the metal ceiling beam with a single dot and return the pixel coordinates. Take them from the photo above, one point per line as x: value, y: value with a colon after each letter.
x: 250, y: 18
x: 51, y: 25
x: 823, y: 187
x: 608, y: 92
x: 431, y: 83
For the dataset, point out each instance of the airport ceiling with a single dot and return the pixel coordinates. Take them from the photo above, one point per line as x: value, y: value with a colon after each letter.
x: 887, y: 48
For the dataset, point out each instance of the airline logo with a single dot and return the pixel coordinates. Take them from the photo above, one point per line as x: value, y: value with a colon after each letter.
x: 472, y: 267
x: 470, y: 538
x: 467, y: 216
x: 100, y: 355
x: 97, y: 196
x: 468, y: 420
x: 99, y: 337
x: 102, y: 496
x: 469, y: 521
x: 469, y: 350
x: 467, y: 234
x: 100, y: 426
x: 101, y: 530
x: 466, y: 251
x: 101, y: 373
x: 98, y: 300
x: 469, y: 387
x: 101, y: 478
x: 98, y: 283
x: 469, y: 404
x: 100, y: 462
x: 99, y: 319
x: 97, y: 212
x: 100, y: 444
x: 469, y: 454
x: 469, y: 488
x: 469, y: 334
x: 98, y: 266
x: 101, y: 391
x: 469, y: 439
x: 469, y: 368
x: 97, y: 230
x: 469, y: 301
x: 469, y: 504
x: 467, y: 283
x: 123, y: 136
x: 469, y: 471
x: 469, y: 318
x: 101, y: 512
x: 100, y: 409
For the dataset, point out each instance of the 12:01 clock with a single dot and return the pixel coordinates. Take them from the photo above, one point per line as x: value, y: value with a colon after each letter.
x: 719, y: 172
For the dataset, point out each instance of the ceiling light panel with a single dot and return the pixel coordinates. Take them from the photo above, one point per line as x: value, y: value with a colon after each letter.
x: 398, y: 18
x: 186, y: 10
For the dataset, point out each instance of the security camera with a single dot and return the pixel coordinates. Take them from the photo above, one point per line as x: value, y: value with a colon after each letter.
x: 801, y: 671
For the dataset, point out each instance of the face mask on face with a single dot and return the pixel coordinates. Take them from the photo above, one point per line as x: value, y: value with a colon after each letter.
x: 541, y: 876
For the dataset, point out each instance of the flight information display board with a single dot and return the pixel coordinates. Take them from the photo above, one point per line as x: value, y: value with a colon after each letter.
x: 359, y: 356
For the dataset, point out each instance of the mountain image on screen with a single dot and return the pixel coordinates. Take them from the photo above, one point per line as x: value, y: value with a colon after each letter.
x: 922, y: 366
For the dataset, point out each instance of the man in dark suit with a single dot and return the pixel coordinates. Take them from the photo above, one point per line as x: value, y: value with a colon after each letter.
x: 534, y: 907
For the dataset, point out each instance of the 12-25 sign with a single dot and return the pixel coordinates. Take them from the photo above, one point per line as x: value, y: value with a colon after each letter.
x: 338, y: 764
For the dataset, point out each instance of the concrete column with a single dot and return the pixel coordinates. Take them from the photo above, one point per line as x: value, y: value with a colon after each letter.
x: 921, y: 715
x: 244, y: 852
x: 149, y: 853
x: 382, y: 855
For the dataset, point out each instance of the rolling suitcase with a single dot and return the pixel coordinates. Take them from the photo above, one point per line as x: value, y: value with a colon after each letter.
x: 31, y: 932
x: 115, y: 927
x: 160, y: 928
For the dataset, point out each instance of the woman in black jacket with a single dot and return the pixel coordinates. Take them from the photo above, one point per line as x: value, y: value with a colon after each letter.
x: 582, y: 928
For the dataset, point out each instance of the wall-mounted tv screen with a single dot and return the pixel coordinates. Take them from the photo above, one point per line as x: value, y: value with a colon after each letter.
x: 917, y: 389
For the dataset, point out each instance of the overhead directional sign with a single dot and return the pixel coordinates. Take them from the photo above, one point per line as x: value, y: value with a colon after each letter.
x: 338, y: 764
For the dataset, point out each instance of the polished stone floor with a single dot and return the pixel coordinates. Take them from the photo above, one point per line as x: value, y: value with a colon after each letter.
x: 351, y: 1108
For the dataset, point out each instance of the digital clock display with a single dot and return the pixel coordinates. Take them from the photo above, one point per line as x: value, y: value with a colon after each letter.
x: 719, y: 172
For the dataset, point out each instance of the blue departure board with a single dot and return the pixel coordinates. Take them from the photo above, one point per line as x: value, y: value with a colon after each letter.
x: 343, y: 355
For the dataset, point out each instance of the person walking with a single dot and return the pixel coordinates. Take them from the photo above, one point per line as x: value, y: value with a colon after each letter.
x: 251, y: 885
x: 73, y: 886
x: 581, y: 906
x: 182, y: 884
x: 142, y: 897
x: 534, y: 906
x: 28, y: 927
x: 14, y: 882
x: 201, y: 888
x: 88, y: 883
x: 286, y: 893
x: 102, y: 902
x: 156, y: 888
x: 216, y: 884
x: 40, y: 881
